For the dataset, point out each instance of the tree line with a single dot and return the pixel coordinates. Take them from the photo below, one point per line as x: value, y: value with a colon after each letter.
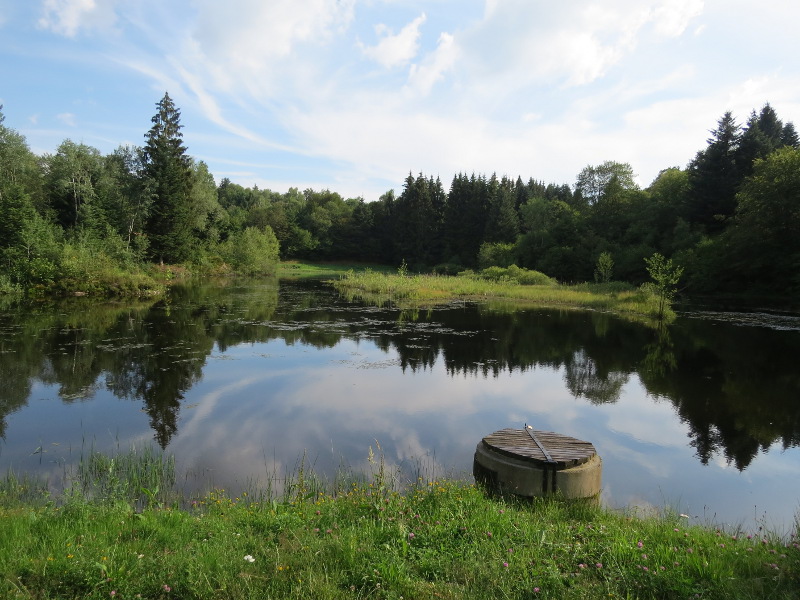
x: 730, y: 219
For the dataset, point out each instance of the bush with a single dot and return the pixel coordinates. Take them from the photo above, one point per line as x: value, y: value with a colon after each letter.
x: 252, y: 252
x: 495, y: 255
x: 512, y: 274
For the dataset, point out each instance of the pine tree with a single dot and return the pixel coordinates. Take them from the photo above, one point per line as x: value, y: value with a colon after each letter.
x: 761, y: 136
x: 789, y: 136
x: 169, y: 168
x: 713, y: 177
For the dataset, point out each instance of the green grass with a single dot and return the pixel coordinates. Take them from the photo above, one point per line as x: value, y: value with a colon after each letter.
x: 420, y: 290
x: 298, y: 269
x: 367, y: 539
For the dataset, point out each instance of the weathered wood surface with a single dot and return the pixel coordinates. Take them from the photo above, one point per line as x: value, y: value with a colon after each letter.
x: 553, y: 450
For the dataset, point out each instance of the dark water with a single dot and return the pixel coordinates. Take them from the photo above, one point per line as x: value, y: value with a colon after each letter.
x: 240, y: 380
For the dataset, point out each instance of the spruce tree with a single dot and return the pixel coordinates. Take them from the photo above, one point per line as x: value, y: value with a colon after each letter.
x: 168, y: 168
x: 714, y: 178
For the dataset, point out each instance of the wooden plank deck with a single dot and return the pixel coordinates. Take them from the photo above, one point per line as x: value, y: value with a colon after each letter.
x: 545, y: 448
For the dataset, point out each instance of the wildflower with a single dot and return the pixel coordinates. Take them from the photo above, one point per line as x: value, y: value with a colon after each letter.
x: 488, y: 534
x: 722, y: 545
x: 536, y: 590
x: 411, y: 536
x: 639, y: 544
x: 249, y: 558
x: 599, y: 565
x: 644, y: 556
x: 510, y: 550
x: 581, y: 566
x: 505, y: 564
x: 167, y: 588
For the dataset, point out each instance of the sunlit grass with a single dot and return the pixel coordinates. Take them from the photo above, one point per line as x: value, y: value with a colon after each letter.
x: 419, y: 290
x: 292, y: 269
x: 371, y: 537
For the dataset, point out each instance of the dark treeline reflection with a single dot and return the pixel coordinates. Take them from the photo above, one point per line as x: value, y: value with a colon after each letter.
x: 735, y: 387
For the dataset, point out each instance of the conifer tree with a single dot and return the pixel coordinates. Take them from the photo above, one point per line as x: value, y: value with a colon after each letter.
x: 713, y: 177
x: 169, y: 169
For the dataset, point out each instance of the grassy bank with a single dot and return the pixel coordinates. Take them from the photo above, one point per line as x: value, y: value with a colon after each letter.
x: 524, y: 287
x: 117, y: 534
x: 292, y: 269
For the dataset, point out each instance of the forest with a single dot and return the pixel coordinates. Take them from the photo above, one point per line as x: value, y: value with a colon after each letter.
x: 78, y: 221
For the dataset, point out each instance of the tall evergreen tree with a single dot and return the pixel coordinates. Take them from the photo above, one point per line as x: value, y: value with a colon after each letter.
x: 169, y: 225
x: 713, y: 177
x: 789, y: 136
x: 502, y: 224
x: 762, y: 135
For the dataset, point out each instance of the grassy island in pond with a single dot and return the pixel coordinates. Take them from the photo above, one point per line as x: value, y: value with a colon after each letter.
x: 119, y: 534
x: 511, y: 284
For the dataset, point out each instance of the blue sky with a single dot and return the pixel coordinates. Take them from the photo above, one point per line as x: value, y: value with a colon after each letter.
x: 352, y: 95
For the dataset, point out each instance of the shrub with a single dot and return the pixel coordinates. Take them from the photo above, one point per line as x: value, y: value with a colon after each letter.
x: 252, y: 252
x: 495, y: 255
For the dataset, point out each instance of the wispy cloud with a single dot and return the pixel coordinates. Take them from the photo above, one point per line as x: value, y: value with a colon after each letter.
x: 68, y: 17
x: 395, y: 50
x: 68, y: 119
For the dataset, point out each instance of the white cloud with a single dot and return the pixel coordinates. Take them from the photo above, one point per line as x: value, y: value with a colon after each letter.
x: 68, y: 17
x: 245, y: 44
x: 423, y: 76
x: 68, y: 119
x: 673, y: 16
x: 395, y: 50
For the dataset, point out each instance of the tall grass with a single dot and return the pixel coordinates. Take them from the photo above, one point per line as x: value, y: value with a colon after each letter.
x: 495, y: 283
x: 370, y: 539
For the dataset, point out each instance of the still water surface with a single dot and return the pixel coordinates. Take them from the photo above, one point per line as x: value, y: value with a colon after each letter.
x: 240, y: 380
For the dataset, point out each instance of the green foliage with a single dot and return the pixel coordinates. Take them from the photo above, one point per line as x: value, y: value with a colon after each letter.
x: 665, y: 277
x: 604, y: 268
x: 603, y: 182
x: 168, y: 167
x: 728, y: 217
x: 252, y: 252
x: 516, y: 274
x: 496, y: 255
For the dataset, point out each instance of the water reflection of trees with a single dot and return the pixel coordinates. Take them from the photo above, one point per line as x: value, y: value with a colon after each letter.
x: 735, y: 400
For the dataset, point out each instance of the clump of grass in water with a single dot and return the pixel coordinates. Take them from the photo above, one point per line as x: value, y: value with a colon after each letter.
x: 142, y: 477
x: 20, y: 490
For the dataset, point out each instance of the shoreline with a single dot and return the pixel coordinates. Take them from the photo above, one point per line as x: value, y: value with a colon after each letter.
x: 119, y: 533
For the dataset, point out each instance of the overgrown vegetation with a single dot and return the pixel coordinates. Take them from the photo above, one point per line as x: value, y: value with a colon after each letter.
x: 78, y: 221
x: 357, y: 537
x: 495, y: 283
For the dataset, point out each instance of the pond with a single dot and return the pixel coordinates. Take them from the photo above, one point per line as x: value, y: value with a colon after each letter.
x: 242, y: 380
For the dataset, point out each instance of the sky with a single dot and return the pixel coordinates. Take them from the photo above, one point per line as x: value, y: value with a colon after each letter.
x: 353, y: 95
